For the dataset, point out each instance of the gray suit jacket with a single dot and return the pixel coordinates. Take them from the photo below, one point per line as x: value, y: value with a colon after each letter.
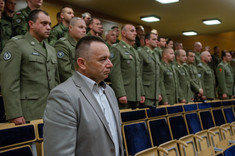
x: 74, y: 124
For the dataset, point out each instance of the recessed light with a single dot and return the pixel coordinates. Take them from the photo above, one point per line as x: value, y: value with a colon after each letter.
x: 167, y: 1
x: 189, y: 33
x: 211, y: 21
x: 150, y: 18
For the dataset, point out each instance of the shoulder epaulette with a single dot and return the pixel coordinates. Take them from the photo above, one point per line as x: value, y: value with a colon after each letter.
x: 17, y: 37
x: 63, y: 38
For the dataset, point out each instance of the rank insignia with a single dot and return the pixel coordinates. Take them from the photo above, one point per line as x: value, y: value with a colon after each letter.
x: 7, y: 56
x: 111, y: 55
x: 220, y: 69
x: 18, y: 20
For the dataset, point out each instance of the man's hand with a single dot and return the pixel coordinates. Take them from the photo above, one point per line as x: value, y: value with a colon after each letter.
x: 203, y: 97
x: 142, y: 99
x: 201, y: 91
x: 183, y: 101
x: 224, y: 96
x: 159, y: 98
x: 165, y: 103
x: 18, y: 121
x: 123, y: 100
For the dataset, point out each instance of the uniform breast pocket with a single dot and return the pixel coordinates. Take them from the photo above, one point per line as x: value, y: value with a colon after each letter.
x: 127, y: 61
x: 36, y: 63
x: 53, y: 65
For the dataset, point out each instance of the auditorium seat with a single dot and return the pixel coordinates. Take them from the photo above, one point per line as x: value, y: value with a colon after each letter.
x: 129, y: 115
x: 171, y: 147
x: 17, y: 151
x: 136, y: 137
x: 153, y: 151
x: 190, y: 147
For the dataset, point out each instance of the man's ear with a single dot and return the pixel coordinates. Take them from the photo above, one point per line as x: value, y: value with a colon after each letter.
x: 30, y: 23
x: 81, y: 62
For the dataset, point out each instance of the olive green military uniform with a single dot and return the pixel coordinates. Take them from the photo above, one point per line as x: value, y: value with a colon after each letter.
x: 170, y: 84
x: 150, y: 75
x: 20, y: 21
x: 108, y: 45
x: 184, y: 82
x: 216, y: 59
x: 6, y: 30
x: 225, y: 79
x: 28, y: 73
x: 65, y: 49
x: 195, y: 82
x: 125, y: 74
x: 197, y: 58
x: 58, y: 32
x: 207, y: 77
x: 158, y: 51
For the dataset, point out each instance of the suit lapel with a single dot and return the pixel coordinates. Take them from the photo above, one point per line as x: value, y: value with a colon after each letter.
x: 82, y: 85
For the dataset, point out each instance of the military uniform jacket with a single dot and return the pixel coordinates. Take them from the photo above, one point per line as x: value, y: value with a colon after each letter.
x: 197, y: 58
x: 170, y: 85
x: 195, y: 82
x: 125, y: 75
x: 184, y: 83
x: 58, y: 32
x: 207, y: 77
x: 19, y: 21
x: 150, y: 73
x: 6, y: 30
x: 65, y: 49
x: 28, y: 73
x: 158, y: 51
x: 225, y: 78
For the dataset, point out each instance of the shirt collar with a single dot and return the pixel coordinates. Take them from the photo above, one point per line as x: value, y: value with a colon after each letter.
x: 91, y: 83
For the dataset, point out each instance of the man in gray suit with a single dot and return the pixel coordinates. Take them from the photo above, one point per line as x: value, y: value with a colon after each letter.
x: 82, y: 114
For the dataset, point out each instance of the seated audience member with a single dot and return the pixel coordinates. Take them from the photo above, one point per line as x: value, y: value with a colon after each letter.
x: 207, y: 76
x: 66, y: 14
x: 84, y: 110
x: 65, y: 48
x: 225, y: 77
x: 33, y: 71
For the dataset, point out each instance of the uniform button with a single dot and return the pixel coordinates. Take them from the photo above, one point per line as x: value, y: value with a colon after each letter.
x: 112, y: 150
x: 48, y: 61
x: 48, y: 70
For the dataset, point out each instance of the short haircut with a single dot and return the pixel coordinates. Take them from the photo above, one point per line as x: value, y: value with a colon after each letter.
x: 166, y: 50
x: 58, y: 14
x: 83, y: 45
x: 223, y: 53
x: 147, y: 36
x: 74, y: 20
x: 168, y: 41
x: 66, y: 6
x: 85, y: 14
x: 215, y: 47
x: 108, y: 31
x: 159, y: 38
x: 92, y: 20
x: 33, y: 16
x: 113, y: 27
x: 189, y: 51
x: 177, y: 53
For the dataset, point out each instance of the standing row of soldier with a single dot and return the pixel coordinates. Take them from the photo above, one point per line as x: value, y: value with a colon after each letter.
x: 30, y: 67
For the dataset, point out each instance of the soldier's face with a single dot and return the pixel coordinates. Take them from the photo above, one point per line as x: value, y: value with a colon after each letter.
x: 10, y: 5
x: 111, y: 37
x: 170, y: 55
x: 36, y: 3
x: 117, y: 31
x: 98, y: 65
x: 228, y: 57
x: 191, y: 58
x: 129, y: 33
x: 41, y: 28
x: 78, y: 30
x: 208, y: 57
x: 96, y: 26
x: 2, y: 4
x: 182, y: 57
x: 162, y: 42
x: 67, y: 14
x: 170, y: 44
x: 152, y: 42
x: 87, y: 19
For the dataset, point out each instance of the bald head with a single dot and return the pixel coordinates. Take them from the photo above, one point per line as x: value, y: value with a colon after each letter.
x: 197, y: 47
x: 205, y: 57
x: 168, y: 55
x: 128, y: 33
x: 77, y: 28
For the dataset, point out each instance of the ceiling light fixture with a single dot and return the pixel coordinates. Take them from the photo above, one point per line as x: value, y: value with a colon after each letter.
x: 150, y: 18
x: 189, y: 33
x: 211, y: 21
x: 167, y: 1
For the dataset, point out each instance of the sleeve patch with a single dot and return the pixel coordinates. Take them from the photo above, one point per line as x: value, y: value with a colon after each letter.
x: 7, y: 56
x: 220, y: 69
x: 60, y: 54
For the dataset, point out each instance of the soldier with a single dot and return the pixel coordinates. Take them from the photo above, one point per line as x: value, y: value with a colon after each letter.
x: 160, y: 47
x: 183, y: 76
x: 20, y: 18
x: 195, y: 82
x: 150, y: 71
x: 207, y: 76
x: 111, y: 38
x: 95, y: 27
x: 28, y: 71
x: 178, y: 46
x: 225, y: 77
x: 140, y: 33
x: 86, y: 16
x: 116, y: 29
x: 59, y: 20
x: 169, y: 80
x: 65, y: 48
x: 6, y: 22
x: 66, y: 14
x: 125, y: 74
x: 197, y: 51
